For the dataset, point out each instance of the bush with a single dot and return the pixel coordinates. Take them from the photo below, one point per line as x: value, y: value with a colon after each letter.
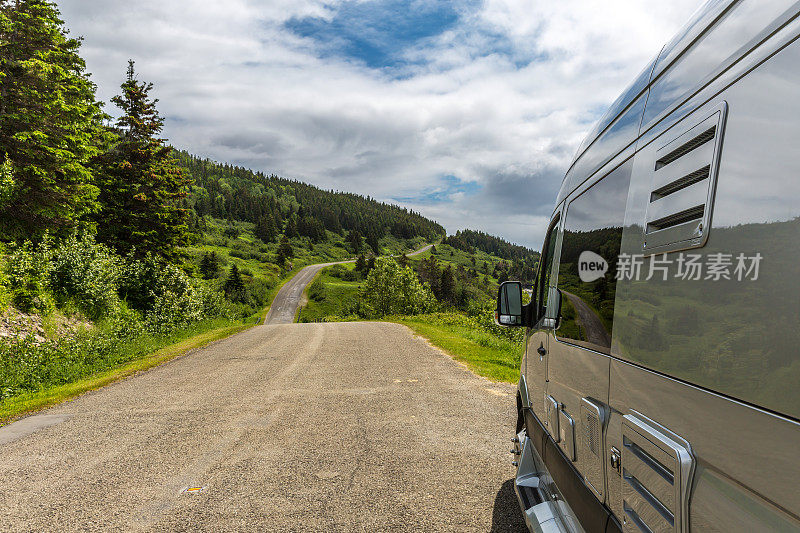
x: 393, y: 290
x: 28, y: 272
x: 87, y: 273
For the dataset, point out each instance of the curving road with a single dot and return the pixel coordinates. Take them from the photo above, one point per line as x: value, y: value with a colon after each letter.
x: 284, y: 306
x: 295, y: 427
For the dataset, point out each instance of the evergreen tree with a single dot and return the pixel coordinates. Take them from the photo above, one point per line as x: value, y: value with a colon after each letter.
x: 447, y: 285
x: 361, y: 264
x: 234, y: 286
x: 50, y: 123
x: 209, y: 265
x: 266, y: 229
x: 372, y: 241
x: 284, y: 250
x: 403, y: 260
x: 354, y: 240
x: 141, y: 184
x: 291, y: 229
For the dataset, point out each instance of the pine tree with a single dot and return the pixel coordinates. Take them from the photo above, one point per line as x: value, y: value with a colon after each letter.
x: 50, y: 122
x: 141, y: 184
x: 234, y: 286
x: 284, y: 250
x: 209, y: 265
x: 354, y: 240
x: 447, y: 285
x: 372, y: 241
x: 361, y: 264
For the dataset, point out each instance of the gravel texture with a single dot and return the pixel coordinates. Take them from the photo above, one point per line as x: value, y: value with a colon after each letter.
x: 297, y: 427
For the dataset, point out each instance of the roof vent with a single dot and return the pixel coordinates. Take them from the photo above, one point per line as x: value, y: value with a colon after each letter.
x: 683, y: 184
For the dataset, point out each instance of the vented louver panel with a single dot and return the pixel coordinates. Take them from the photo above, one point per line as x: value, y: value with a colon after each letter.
x: 593, y: 420
x: 656, y: 475
x: 683, y: 185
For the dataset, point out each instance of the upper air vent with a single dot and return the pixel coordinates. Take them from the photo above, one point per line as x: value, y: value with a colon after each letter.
x: 683, y: 183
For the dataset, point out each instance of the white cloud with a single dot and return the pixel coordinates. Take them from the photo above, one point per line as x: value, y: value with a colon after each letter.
x: 236, y: 86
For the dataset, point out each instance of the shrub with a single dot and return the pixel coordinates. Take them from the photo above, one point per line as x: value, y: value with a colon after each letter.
x: 393, y: 290
x: 28, y: 271
x: 87, y: 273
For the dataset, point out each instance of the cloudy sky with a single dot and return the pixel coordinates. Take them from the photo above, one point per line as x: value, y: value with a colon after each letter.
x: 466, y: 110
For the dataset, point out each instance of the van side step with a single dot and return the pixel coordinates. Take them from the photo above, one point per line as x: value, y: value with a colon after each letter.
x: 543, y: 514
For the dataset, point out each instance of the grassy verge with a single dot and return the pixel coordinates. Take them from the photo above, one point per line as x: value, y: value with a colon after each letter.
x: 329, y: 295
x: 193, y: 338
x: 484, y: 354
x: 155, y: 351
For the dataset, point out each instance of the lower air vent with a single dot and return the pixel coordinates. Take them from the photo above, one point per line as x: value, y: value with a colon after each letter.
x: 656, y: 474
x: 693, y: 213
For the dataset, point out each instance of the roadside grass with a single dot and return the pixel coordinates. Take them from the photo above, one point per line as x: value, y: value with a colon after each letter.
x: 329, y: 296
x: 132, y: 356
x: 484, y: 354
x: 157, y: 351
x: 486, y: 349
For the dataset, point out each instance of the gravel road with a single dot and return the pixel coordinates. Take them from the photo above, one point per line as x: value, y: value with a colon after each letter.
x: 296, y: 427
x: 284, y: 306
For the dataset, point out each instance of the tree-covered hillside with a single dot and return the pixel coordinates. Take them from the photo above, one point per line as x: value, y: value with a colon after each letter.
x: 278, y: 205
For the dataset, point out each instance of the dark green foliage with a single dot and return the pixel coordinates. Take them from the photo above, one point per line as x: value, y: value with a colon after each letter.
x: 285, y: 251
x: 266, y: 229
x: 50, y: 123
x: 209, y: 265
x: 355, y: 241
x: 361, y: 263
x: 447, y: 285
x: 312, y: 228
x: 141, y: 185
x: 470, y: 240
x: 225, y: 191
x: 234, y: 286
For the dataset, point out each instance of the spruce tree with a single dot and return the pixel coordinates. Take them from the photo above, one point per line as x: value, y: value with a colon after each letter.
x: 142, y: 186
x: 266, y: 230
x: 234, y: 286
x: 284, y: 250
x: 209, y: 265
x: 50, y: 122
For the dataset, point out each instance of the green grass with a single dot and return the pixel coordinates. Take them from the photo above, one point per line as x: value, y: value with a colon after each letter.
x: 329, y: 296
x: 160, y: 351
x: 484, y: 354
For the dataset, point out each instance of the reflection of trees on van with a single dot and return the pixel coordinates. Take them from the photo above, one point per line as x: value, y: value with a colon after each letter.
x: 588, y: 308
x: 739, y: 338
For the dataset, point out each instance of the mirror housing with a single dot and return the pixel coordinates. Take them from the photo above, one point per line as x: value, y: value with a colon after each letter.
x: 509, y: 305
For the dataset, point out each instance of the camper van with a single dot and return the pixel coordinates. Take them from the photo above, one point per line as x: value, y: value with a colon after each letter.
x: 660, y: 383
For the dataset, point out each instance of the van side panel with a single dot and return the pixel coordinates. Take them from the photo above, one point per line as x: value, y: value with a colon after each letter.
x: 717, y: 359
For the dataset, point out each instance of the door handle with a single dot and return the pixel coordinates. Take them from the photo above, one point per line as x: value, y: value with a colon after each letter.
x: 541, y: 350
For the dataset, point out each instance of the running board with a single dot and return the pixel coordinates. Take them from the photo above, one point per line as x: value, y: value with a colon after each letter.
x: 543, y: 514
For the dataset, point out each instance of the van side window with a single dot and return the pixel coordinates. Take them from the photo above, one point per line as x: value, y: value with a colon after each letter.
x: 589, y: 252
x: 545, y: 268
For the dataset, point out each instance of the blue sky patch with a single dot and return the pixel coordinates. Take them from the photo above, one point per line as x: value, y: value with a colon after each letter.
x: 377, y: 32
x: 443, y: 192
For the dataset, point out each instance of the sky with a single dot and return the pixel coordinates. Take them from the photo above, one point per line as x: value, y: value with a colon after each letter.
x: 468, y: 111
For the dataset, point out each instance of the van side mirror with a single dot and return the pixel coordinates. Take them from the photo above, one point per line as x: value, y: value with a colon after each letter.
x: 509, y: 304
